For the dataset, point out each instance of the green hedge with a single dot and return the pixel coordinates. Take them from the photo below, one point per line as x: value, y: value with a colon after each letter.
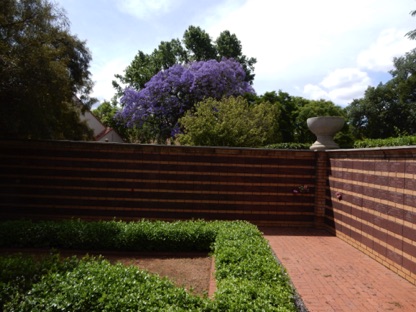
x: 400, y: 141
x: 291, y: 145
x: 115, y: 235
x: 248, y: 276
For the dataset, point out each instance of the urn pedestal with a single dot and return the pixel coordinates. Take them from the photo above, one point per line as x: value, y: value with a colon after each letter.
x: 325, y: 127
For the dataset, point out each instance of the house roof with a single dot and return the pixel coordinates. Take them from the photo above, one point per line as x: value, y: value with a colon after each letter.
x: 103, y: 133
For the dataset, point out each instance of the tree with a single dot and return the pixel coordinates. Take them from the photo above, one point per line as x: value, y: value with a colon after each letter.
x: 229, y: 46
x: 389, y: 109
x: 145, y: 66
x: 229, y: 122
x: 43, y: 69
x: 412, y: 34
x: 172, y: 92
x: 108, y: 114
x: 312, y: 108
x: 199, y: 44
x: 288, y: 113
x: 196, y: 45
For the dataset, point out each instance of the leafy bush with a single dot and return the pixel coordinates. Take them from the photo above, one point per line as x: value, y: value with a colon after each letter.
x: 289, y: 146
x: 230, y: 121
x: 400, y: 141
x: 96, y: 285
x: 248, y: 275
x: 18, y: 273
x: 133, y: 236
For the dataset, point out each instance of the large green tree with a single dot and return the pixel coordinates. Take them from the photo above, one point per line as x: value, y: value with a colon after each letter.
x: 230, y: 121
x: 287, y: 105
x: 389, y: 109
x: 312, y: 108
x: 43, y: 69
x: 196, y: 45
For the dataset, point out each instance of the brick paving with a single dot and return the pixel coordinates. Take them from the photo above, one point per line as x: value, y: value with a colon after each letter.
x: 331, y: 275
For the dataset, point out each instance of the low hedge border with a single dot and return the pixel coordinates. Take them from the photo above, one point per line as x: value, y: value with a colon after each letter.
x: 248, y: 276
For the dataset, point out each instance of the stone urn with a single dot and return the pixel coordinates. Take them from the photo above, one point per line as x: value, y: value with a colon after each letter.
x: 325, y: 127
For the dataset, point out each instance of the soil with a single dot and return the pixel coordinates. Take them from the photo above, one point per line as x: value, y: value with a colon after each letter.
x: 193, y: 272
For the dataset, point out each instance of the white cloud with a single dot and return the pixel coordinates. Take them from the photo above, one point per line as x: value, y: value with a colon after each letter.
x: 321, y: 48
x: 339, y: 86
x: 341, y: 78
x: 104, y: 75
x: 342, y: 85
x: 379, y: 55
x: 145, y: 9
x: 327, y: 48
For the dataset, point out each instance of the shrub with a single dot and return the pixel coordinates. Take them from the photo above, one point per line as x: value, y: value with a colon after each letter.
x: 289, y: 146
x: 18, y: 273
x: 230, y: 121
x: 96, y: 285
x: 248, y: 275
x: 400, y: 141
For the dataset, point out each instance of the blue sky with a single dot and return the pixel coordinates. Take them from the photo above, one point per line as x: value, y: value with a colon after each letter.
x: 330, y: 49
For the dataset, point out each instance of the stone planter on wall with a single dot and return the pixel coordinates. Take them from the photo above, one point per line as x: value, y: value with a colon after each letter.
x: 325, y: 127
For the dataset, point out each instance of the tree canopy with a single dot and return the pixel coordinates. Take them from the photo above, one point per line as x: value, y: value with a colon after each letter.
x: 230, y: 122
x: 43, y: 68
x: 196, y: 45
x: 389, y: 109
x: 170, y: 93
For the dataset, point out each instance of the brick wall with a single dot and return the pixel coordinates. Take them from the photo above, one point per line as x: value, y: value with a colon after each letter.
x: 129, y: 181
x: 376, y: 214
x: 377, y: 211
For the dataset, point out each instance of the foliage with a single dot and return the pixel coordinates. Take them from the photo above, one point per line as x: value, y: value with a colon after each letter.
x: 107, y: 112
x: 134, y: 236
x: 290, y: 145
x: 399, y: 141
x: 229, y: 122
x: 96, y: 285
x: 249, y: 277
x: 197, y: 46
x: 145, y: 66
x: 412, y: 34
x: 388, y: 110
x: 310, y: 109
x: 43, y: 68
x: 288, y: 107
x: 294, y: 112
x: 172, y: 92
x: 19, y: 273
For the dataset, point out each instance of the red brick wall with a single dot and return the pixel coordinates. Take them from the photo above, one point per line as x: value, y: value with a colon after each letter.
x: 377, y: 211
x: 376, y: 214
x: 129, y: 181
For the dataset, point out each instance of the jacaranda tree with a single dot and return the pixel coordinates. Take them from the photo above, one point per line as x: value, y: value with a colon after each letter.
x: 170, y: 93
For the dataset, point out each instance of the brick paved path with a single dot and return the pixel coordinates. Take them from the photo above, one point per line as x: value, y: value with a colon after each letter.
x: 331, y: 275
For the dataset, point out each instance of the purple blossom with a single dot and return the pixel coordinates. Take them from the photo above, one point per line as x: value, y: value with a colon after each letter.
x: 170, y: 93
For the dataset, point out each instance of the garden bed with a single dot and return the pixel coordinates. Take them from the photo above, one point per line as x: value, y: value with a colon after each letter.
x: 248, y: 277
x: 190, y: 270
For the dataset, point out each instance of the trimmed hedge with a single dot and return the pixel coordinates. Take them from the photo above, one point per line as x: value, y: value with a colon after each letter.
x: 289, y: 145
x: 248, y: 276
x: 400, y: 141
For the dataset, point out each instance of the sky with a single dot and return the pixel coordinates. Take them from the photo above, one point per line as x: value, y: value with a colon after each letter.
x: 320, y: 49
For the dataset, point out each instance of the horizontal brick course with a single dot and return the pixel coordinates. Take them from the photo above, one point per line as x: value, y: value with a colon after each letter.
x: 129, y: 181
x: 367, y: 197
x: 377, y: 212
